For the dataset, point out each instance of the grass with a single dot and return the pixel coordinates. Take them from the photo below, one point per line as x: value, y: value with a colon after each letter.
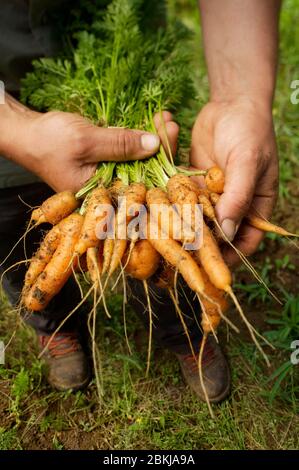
x: 154, y: 413
x: 160, y: 412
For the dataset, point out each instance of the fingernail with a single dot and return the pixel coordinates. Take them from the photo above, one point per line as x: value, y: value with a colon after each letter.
x: 229, y: 227
x: 150, y: 142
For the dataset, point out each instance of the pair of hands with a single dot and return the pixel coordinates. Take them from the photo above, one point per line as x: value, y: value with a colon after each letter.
x: 237, y: 136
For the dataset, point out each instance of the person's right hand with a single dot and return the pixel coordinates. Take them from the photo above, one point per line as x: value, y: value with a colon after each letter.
x: 63, y: 149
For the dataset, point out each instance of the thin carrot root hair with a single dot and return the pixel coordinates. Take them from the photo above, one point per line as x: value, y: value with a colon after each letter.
x: 175, y: 284
x: 150, y: 333
x: 209, y: 211
x: 204, y: 313
x: 181, y: 317
x: 24, y: 261
x: 188, y: 301
x: 154, y: 296
x: 24, y: 241
x: 247, y: 263
x: 95, y: 350
x: 123, y: 266
x: 293, y: 242
x: 201, y: 378
x: 28, y: 229
x: 192, y: 309
x: 26, y: 203
x: 102, y: 293
x: 125, y: 299
x: 17, y: 311
x: 65, y: 320
x: 251, y: 329
x: 77, y: 282
x: 95, y: 276
x: 81, y: 271
x: 220, y: 312
x: 125, y: 318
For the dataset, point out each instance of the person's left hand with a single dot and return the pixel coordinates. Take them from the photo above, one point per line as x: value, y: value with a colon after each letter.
x: 238, y: 136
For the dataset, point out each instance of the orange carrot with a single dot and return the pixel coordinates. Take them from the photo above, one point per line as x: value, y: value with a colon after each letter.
x: 215, y: 180
x: 207, y: 207
x: 133, y: 197
x: 214, y: 198
x: 116, y: 189
x: 168, y: 220
x: 119, y: 248
x: 43, y: 255
x: 59, y: 268
x: 55, y: 208
x: 259, y: 222
x: 213, y: 305
x: 107, y: 254
x: 96, y: 213
x: 94, y: 263
x: 213, y: 301
x: 91, y: 256
x: 94, y: 260
x: 182, y: 192
x: 143, y: 260
x: 209, y: 253
x: 176, y: 256
x: 212, y: 261
x: 266, y: 226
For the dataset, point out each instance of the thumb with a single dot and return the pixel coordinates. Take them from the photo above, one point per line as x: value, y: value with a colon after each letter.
x: 234, y: 203
x: 120, y: 144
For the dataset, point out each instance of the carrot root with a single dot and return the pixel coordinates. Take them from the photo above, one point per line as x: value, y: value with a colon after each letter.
x: 265, y: 226
x: 202, y: 346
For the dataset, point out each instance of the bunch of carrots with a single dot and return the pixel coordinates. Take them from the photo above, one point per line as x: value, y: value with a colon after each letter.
x: 73, y: 243
x: 121, y: 73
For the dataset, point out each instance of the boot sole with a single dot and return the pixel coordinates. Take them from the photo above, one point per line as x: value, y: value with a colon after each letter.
x: 74, y: 388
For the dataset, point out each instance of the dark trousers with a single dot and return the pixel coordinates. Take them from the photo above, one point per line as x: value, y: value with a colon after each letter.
x: 167, y: 329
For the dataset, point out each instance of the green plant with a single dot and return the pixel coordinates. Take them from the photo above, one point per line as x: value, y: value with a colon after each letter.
x: 119, y: 74
x: 284, y: 263
x: 9, y: 439
x: 287, y: 325
x: 20, y: 387
x: 255, y: 290
x: 286, y: 330
x: 57, y: 445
